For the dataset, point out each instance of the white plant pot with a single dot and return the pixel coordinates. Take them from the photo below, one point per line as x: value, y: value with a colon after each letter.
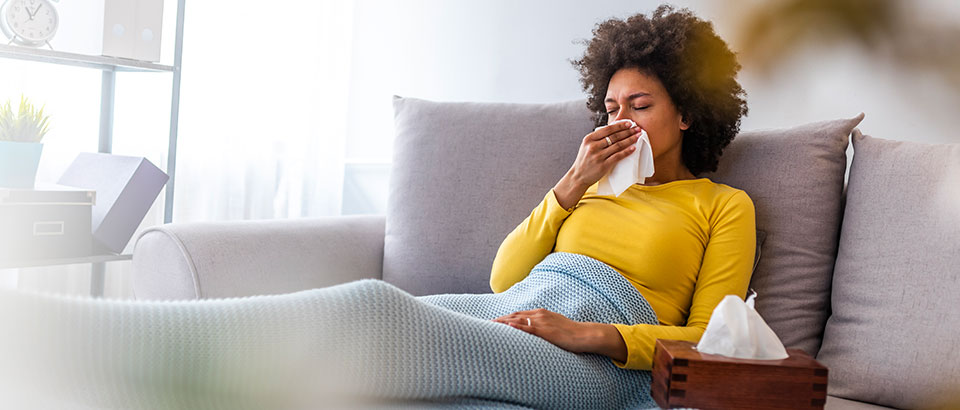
x: 18, y: 163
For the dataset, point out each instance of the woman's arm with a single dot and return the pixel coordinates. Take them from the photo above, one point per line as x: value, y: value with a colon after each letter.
x: 536, y: 236
x: 527, y: 244
x: 726, y: 269
x: 569, y: 191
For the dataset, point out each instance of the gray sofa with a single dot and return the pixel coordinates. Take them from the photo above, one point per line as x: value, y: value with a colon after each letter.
x: 863, y: 275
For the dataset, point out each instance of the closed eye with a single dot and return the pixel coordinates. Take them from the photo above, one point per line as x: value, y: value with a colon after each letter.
x: 635, y: 108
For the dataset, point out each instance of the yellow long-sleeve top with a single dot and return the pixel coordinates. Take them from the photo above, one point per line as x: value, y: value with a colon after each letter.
x: 684, y: 245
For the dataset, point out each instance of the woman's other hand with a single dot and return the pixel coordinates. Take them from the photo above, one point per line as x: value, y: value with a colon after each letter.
x: 595, y: 159
x: 570, y: 335
x: 554, y: 327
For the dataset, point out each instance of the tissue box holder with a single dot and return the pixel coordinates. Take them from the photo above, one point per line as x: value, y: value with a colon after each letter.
x: 684, y: 377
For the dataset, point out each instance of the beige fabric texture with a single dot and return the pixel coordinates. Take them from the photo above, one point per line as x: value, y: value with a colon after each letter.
x: 893, y: 335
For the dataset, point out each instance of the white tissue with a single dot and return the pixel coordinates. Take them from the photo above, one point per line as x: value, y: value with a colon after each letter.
x: 737, y: 330
x: 634, y: 169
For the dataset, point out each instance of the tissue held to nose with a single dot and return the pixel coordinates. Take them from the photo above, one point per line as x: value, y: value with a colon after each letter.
x: 634, y: 169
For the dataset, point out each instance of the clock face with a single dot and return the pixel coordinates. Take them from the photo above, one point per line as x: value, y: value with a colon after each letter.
x: 34, y: 21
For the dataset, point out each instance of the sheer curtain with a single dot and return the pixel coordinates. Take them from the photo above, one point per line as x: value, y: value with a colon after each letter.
x: 263, y: 119
x: 264, y: 110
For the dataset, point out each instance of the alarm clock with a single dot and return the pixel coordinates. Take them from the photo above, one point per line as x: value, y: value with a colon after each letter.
x: 29, y: 23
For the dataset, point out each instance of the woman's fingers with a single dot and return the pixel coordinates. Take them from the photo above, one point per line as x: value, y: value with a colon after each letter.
x: 524, y: 317
x: 520, y: 323
x: 601, y: 151
x: 620, y: 146
x: 515, y: 315
x: 608, y: 131
x: 593, y: 158
x: 617, y: 156
x: 616, y: 132
x: 622, y: 140
x: 625, y: 134
x: 525, y: 324
x: 509, y: 317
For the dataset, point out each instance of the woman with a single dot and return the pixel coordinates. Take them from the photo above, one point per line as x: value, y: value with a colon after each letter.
x: 684, y: 242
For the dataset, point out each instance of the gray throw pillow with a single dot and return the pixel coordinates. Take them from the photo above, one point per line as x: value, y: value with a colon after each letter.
x: 795, y: 178
x: 464, y: 175
x: 761, y: 236
x: 893, y: 335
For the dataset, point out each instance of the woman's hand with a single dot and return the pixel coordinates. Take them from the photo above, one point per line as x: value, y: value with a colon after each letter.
x: 555, y: 328
x: 595, y: 159
x: 570, y: 335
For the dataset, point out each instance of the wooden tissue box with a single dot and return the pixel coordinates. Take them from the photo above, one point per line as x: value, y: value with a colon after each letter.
x: 684, y: 377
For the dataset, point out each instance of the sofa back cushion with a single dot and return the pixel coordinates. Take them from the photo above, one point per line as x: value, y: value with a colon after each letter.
x: 795, y: 178
x: 893, y: 335
x: 463, y: 176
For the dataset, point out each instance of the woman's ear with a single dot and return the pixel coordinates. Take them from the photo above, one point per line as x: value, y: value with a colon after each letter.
x: 684, y: 124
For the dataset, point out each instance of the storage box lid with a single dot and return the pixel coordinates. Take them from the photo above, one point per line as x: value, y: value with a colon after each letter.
x: 47, y: 194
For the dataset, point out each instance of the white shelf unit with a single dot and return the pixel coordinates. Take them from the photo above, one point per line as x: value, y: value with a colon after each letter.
x: 110, y: 66
x: 64, y: 261
x: 79, y: 60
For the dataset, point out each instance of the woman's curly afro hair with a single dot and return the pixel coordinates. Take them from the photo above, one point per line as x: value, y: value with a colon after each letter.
x: 696, y: 68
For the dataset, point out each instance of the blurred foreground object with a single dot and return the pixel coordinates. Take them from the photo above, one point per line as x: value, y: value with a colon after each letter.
x: 887, y: 29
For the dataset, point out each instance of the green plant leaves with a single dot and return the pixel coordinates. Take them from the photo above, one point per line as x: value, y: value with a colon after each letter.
x: 26, y: 125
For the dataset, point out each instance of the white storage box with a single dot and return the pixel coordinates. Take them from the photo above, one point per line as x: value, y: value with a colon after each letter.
x: 49, y: 221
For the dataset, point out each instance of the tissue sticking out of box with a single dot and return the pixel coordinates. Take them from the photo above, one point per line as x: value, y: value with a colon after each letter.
x: 737, y: 330
x: 634, y: 169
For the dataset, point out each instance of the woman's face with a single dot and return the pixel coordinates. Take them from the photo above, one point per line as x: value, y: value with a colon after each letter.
x: 636, y: 95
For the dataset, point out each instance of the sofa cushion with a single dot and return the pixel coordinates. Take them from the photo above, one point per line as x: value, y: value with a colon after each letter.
x: 893, y: 333
x: 463, y: 176
x: 836, y: 403
x: 795, y: 178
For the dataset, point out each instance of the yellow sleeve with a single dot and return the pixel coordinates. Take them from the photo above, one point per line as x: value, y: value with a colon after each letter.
x: 528, y: 244
x: 725, y: 270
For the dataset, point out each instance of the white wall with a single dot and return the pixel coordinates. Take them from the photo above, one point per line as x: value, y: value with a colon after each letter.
x: 492, y: 50
x: 518, y: 51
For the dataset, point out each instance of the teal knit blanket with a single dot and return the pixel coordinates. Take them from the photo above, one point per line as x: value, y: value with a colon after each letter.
x: 509, y: 366
x: 360, y: 344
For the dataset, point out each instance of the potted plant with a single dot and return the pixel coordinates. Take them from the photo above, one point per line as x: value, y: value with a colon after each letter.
x: 20, y: 147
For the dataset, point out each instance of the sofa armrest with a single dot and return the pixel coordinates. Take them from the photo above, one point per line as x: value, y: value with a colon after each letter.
x: 244, y: 258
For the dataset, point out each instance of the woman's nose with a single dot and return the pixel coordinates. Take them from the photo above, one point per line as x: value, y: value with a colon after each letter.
x: 620, y: 116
